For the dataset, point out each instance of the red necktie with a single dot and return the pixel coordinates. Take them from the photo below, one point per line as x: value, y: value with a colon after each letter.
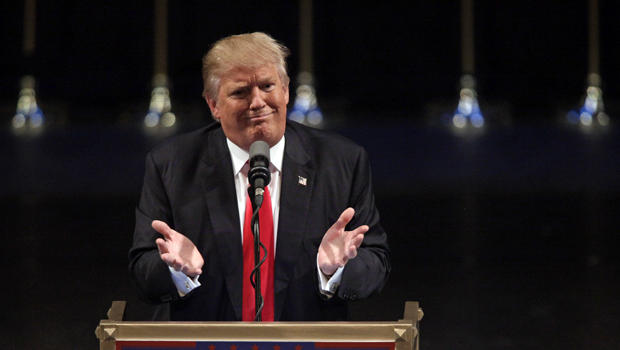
x: 265, y: 217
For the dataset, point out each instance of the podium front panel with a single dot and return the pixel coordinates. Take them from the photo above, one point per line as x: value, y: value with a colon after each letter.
x: 252, y: 345
x: 118, y: 335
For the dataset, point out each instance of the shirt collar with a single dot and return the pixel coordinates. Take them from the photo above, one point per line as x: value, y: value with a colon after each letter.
x: 240, y: 156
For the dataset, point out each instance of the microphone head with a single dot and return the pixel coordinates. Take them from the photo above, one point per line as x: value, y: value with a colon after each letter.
x: 259, y: 175
x: 259, y: 149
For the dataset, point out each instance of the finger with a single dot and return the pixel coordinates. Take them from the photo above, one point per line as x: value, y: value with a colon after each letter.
x: 344, y: 219
x: 357, y: 241
x: 162, y: 246
x: 351, y: 252
x: 356, y: 236
x: 354, y: 244
x: 162, y: 228
x: 361, y: 230
x: 191, y: 272
x: 167, y: 258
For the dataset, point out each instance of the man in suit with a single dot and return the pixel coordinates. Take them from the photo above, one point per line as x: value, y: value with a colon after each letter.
x: 188, y: 241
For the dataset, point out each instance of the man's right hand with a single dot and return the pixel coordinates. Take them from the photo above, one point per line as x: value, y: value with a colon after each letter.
x: 178, y: 251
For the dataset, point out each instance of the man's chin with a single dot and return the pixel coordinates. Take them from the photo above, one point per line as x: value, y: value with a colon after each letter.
x: 267, y: 134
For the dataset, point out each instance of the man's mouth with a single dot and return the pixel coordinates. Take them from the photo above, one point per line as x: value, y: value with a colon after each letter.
x: 260, y: 116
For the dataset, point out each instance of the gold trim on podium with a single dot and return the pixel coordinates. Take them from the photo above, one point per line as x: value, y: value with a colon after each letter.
x: 404, y: 333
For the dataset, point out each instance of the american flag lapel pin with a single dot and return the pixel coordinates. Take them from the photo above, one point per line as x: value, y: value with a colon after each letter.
x: 302, y: 180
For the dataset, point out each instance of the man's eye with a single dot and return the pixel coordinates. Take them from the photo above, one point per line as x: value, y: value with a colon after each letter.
x: 268, y: 86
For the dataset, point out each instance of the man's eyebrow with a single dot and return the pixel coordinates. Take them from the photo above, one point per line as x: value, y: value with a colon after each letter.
x: 237, y: 85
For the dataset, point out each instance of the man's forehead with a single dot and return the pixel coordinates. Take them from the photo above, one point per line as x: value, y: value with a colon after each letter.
x: 246, y: 74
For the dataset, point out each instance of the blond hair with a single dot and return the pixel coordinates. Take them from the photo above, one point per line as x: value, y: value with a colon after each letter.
x: 251, y: 50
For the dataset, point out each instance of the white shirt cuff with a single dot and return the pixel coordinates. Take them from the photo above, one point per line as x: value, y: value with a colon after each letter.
x: 184, y: 283
x: 328, y: 286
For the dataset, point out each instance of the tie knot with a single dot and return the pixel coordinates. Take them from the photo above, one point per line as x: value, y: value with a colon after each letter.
x: 245, y: 169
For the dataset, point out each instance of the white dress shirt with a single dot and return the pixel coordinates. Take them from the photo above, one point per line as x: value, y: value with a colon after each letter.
x: 240, y: 164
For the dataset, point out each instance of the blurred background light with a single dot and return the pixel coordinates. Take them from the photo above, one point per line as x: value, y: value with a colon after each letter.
x: 591, y: 113
x: 305, y: 108
x: 160, y: 107
x: 28, y: 115
x: 160, y: 118
x: 467, y: 114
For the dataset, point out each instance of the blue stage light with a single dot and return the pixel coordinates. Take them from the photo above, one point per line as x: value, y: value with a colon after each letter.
x: 591, y: 113
x: 28, y: 114
x: 305, y: 107
x: 477, y: 120
x: 468, y: 111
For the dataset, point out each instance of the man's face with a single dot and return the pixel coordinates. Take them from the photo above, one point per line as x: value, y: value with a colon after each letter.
x: 251, y: 105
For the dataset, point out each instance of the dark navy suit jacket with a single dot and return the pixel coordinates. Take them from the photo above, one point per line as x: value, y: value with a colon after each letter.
x: 189, y: 184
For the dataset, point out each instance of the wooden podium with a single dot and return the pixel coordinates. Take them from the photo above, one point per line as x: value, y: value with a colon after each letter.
x: 115, y: 334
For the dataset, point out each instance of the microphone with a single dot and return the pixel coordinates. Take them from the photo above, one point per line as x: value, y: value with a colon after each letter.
x: 259, y: 174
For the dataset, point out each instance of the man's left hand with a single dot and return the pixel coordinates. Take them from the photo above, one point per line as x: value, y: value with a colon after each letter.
x: 339, y: 246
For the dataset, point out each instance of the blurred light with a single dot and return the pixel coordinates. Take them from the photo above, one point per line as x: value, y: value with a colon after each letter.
x: 19, y: 121
x: 459, y: 121
x: 160, y: 114
x: 297, y: 116
x: 315, y: 117
x: 591, y: 102
x: 477, y: 120
x: 591, y: 114
x: 168, y: 119
x: 151, y: 120
x: 304, y: 98
x: 585, y: 119
x: 305, y: 107
x: 466, y: 102
x: 603, y: 119
x: 467, y: 112
x: 28, y: 115
x: 36, y: 120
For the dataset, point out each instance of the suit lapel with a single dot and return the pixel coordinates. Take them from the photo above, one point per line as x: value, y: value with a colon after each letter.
x: 298, y: 178
x: 218, y: 185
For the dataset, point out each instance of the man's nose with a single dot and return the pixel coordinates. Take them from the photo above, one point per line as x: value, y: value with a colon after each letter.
x: 257, y: 100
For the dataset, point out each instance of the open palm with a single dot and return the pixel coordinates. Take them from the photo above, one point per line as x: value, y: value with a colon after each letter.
x: 178, y: 251
x: 338, y: 245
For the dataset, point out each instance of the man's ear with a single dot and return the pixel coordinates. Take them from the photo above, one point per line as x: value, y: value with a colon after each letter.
x: 286, y: 93
x: 212, y: 106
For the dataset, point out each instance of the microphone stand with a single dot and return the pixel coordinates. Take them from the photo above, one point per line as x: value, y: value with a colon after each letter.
x: 259, y: 177
x: 255, y: 276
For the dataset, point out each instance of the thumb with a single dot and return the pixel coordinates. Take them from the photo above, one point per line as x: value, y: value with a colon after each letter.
x: 344, y: 218
x: 162, y: 228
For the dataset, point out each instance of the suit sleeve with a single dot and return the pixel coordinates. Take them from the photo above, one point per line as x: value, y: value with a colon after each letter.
x: 367, y: 273
x: 149, y: 273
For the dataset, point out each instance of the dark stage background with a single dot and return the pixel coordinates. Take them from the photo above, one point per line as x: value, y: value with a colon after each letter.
x: 508, y: 238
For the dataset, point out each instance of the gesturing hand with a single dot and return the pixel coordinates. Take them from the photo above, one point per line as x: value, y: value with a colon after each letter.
x: 178, y: 251
x: 339, y: 246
